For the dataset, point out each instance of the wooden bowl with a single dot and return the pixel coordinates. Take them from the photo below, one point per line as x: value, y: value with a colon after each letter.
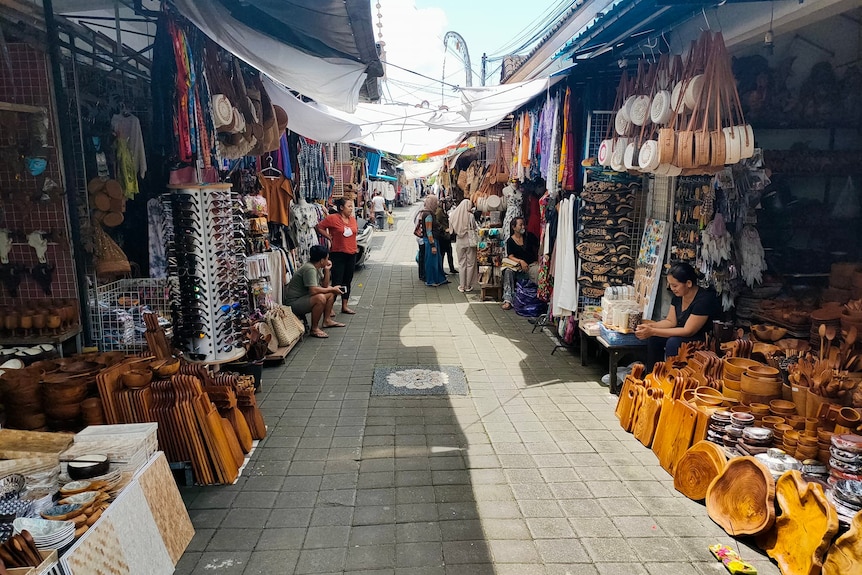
x: 64, y: 393
x: 742, y: 498
x: 729, y: 383
x: 763, y: 372
x: 771, y: 421
x: 783, y: 406
x: 110, y: 358
x: 737, y: 365
x: 755, y: 386
x: 81, y: 367
x: 165, y: 368
x: 759, y: 408
x: 63, y: 411
x: 137, y: 378
x: 731, y: 393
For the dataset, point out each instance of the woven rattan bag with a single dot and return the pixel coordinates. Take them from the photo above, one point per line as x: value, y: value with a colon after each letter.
x: 285, y: 325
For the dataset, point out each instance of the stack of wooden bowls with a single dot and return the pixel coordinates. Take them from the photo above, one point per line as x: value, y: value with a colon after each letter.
x: 807, y: 447
x: 91, y: 410
x: 64, y: 390
x: 851, y: 318
x: 760, y: 384
x: 22, y: 400
x: 760, y: 412
x: 830, y: 316
x: 824, y: 442
x: 734, y: 367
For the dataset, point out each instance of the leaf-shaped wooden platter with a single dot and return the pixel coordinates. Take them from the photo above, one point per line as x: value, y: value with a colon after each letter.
x: 696, y: 469
x: 742, y: 498
x: 805, y: 528
x: 845, y: 555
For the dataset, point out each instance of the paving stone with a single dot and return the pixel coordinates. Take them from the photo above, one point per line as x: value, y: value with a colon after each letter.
x: 230, y: 539
x: 561, y: 551
x: 327, y: 515
x: 376, y: 514
x: 370, y: 557
x: 227, y: 562
x: 371, y: 534
x: 505, y: 529
x: 513, y: 551
x: 461, y: 530
x: 549, y: 528
x: 419, y: 554
x: 326, y: 536
x: 281, y: 538
x: 471, y: 552
x: 418, y: 532
x: 321, y: 561
x: 289, y: 518
x: 609, y: 549
x: 663, y: 549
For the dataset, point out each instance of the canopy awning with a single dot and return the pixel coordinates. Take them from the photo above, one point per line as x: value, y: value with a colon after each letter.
x: 323, y: 49
x: 405, y: 130
x: 386, y: 177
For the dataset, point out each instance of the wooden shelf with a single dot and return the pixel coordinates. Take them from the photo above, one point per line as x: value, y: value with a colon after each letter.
x: 281, y: 353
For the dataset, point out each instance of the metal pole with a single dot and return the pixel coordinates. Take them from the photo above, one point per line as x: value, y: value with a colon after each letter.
x: 67, y: 151
x: 484, y: 66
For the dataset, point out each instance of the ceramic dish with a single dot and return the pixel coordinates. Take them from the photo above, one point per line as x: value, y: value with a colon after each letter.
x: 848, y: 442
x: 757, y: 433
x: 84, y: 498
x: 849, y: 491
x: 42, y: 528
x: 845, y: 456
x: 845, y: 467
x: 74, y: 487
x: 11, y: 485
x: 62, y: 512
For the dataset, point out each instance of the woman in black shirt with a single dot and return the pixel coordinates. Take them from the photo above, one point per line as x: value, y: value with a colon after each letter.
x: 522, y: 248
x: 690, y: 317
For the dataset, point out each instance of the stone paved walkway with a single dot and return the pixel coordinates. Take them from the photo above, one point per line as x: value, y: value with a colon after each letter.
x: 529, y: 474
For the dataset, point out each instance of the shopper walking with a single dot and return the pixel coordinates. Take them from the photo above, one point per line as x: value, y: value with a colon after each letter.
x: 378, y: 207
x: 466, y: 233
x: 434, y: 275
x: 341, y: 229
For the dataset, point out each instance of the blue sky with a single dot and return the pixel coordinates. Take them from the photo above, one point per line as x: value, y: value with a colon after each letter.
x: 413, y: 31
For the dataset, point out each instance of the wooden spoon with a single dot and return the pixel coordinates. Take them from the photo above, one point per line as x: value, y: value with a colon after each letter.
x: 822, y: 332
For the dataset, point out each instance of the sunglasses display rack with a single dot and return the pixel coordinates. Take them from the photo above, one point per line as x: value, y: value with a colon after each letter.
x: 206, y: 268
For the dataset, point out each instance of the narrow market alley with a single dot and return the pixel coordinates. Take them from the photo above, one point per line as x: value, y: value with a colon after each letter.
x: 528, y: 473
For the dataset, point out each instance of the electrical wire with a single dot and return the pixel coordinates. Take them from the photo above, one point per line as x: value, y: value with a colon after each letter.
x: 533, y: 31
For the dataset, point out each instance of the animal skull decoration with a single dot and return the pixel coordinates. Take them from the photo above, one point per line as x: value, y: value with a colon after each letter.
x: 5, y: 246
x: 38, y: 242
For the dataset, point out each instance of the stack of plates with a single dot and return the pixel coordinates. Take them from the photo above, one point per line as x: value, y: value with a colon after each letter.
x: 847, y: 498
x: 40, y: 499
x: 845, y: 461
x: 46, y: 534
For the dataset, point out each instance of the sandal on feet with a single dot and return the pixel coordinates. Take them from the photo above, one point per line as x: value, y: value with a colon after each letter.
x: 334, y: 324
x: 348, y: 311
x: 460, y: 289
x: 507, y: 305
x: 321, y: 334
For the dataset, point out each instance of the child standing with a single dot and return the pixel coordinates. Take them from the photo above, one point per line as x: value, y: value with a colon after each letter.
x: 390, y: 219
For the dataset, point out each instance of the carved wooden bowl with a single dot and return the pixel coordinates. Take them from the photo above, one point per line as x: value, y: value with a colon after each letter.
x: 742, y: 498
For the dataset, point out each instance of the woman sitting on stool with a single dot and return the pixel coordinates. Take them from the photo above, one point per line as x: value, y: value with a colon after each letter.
x: 522, y: 249
x: 692, y: 310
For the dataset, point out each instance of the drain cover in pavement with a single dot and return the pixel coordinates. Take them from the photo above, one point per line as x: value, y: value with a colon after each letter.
x: 419, y: 380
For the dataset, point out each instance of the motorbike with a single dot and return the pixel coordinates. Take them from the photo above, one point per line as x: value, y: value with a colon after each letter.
x: 363, y: 240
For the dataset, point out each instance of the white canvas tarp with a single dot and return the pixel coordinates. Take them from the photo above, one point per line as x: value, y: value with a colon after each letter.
x: 332, y: 81
x: 401, y: 129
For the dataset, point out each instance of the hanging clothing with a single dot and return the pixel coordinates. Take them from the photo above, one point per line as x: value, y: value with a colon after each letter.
x: 126, y: 169
x: 567, y: 159
x: 304, y: 217
x: 514, y: 208
x: 314, y: 179
x: 159, y: 228
x: 545, y: 281
x: 278, y: 193
x: 565, y: 298
x: 532, y: 215
x: 128, y: 128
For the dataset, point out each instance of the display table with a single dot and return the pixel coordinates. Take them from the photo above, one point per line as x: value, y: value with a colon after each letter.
x: 616, y: 352
x: 144, y: 531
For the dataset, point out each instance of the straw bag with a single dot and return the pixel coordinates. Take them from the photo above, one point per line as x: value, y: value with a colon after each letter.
x: 285, y: 325
x: 110, y: 259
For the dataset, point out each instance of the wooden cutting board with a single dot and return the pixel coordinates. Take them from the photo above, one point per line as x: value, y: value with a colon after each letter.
x: 685, y: 419
x: 665, y: 428
x: 648, y: 418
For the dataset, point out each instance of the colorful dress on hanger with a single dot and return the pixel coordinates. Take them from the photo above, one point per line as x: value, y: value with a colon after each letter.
x: 304, y: 217
x: 546, y: 281
x: 514, y: 208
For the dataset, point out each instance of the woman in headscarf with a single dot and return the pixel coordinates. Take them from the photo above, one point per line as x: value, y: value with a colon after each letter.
x: 434, y: 275
x: 466, y: 231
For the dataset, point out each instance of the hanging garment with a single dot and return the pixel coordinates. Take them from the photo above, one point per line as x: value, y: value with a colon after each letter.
x: 565, y: 298
x: 545, y: 281
x: 314, y: 179
x: 128, y: 128
x: 567, y: 157
x: 278, y: 194
x: 159, y: 228
x: 126, y: 169
x: 514, y: 209
x: 532, y: 215
x: 304, y: 217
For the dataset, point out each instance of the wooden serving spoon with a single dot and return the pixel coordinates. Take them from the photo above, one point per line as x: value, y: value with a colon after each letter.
x: 822, y: 332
